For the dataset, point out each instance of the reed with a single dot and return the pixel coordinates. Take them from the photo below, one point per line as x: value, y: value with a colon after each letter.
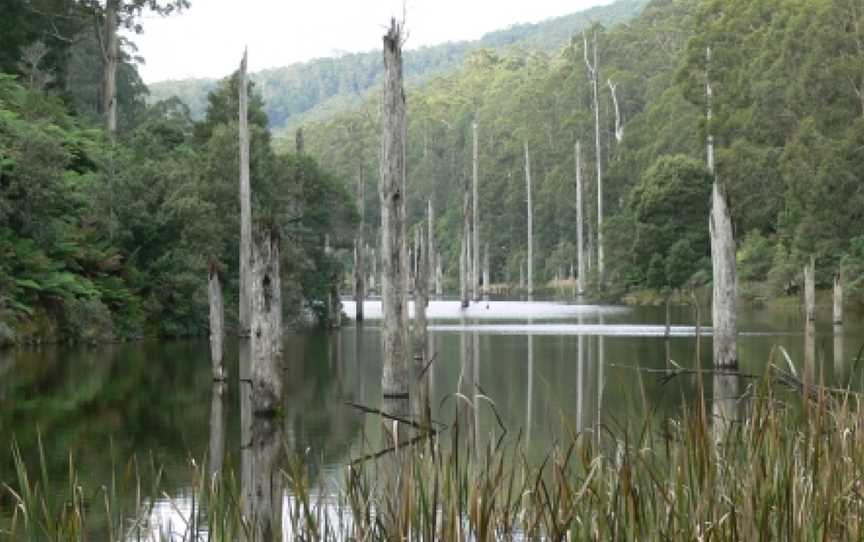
x: 791, y: 468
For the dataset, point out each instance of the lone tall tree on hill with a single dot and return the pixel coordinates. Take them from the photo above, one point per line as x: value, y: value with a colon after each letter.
x: 394, y: 250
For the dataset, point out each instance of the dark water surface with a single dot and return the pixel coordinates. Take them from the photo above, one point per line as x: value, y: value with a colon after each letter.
x: 550, y: 369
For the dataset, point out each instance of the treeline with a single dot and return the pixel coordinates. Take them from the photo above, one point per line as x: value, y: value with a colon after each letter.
x: 320, y: 88
x: 788, y: 85
x: 105, y: 237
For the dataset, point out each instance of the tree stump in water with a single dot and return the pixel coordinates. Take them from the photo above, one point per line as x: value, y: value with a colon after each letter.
x: 217, y: 320
x: 266, y: 325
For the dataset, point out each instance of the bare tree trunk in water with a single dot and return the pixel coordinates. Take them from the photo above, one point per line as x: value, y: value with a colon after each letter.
x: 810, y: 289
x: 465, y: 269
x: 837, y: 313
x: 393, y: 238
x: 421, y: 335
x: 432, y: 250
x: 266, y: 330
x: 475, y: 218
x: 580, y: 242
x: 593, y: 72
x: 530, y: 222
x: 486, y: 269
x: 245, y: 204
x: 217, y: 429
x: 111, y: 57
x: 217, y: 321
x: 359, y: 248
x: 725, y: 287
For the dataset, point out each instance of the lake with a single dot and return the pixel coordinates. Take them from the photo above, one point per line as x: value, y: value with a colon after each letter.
x: 548, y: 369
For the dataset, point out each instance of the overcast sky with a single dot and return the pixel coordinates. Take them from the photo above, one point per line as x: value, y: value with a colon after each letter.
x: 208, y: 39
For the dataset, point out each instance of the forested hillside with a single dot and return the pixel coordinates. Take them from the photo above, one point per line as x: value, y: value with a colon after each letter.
x: 787, y: 83
x: 317, y: 89
x: 107, y: 233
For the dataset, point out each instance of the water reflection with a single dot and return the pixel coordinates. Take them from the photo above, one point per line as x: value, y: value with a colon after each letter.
x: 262, y: 488
x: 840, y: 367
x: 810, y: 376
x: 217, y: 428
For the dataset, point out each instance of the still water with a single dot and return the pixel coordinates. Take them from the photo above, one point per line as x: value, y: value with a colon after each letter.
x: 550, y: 368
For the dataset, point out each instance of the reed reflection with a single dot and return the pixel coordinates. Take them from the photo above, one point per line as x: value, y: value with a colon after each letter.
x: 217, y: 428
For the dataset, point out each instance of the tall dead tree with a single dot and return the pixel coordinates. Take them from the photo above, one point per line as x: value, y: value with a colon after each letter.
x: 530, y: 221
x: 111, y: 58
x: 394, y: 250
x: 810, y: 290
x: 725, y: 287
x: 837, y: 313
x: 431, y: 248
x: 359, y: 247
x: 465, y: 268
x: 217, y: 320
x: 593, y: 73
x: 475, y: 217
x: 266, y: 325
x: 619, y: 118
x: 245, y: 201
x: 580, y: 242
x: 486, y: 269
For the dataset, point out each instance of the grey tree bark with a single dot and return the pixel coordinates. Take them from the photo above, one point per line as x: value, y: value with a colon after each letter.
x: 593, y: 72
x: 266, y: 336
x: 465, y: 269
x: 619, y: 118
x: 837, y: 313
x: 245, y: 203
x: 431, y: 249
x: 486, y: 269
x: 530, y: 263
x: 725, y: 282
x: 217, y: 429
x: 475, y: 217
x: 580, y: 242
x: 111, y: 55
x: 810, y: 289
x: 217, y: 321
x: 393, y: 236
x: 421, y: 298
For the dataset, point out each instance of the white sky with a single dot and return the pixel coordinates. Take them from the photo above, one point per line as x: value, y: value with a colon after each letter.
x: 208, y: 39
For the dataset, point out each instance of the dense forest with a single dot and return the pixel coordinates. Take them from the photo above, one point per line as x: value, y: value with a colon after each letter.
x: 320, y: 88
x: 788, y: 86
x: 108, y: 233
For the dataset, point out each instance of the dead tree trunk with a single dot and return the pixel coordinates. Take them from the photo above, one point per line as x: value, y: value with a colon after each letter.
x: 421, y: 299
x: 486, y: 269
x: 393, y: 237
x: 810, y: 290
x: 593, y: 72
x: 838, y: 298
x: 245, y: 203
x: 530, y: 263
x: 619, y: 119
x: 725, y: 288
x: 465, y: 269
x: 217, y: 429
x: 266, y: 330
x: 580, y: 242
x: 359, y: 246
x: 111, y: 55
x: 432, y: 249
x: 475, y: 218
x: 217, y: 321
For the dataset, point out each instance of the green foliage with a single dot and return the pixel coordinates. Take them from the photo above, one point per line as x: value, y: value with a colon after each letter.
x: 670, y: 205
x: 755, y: 256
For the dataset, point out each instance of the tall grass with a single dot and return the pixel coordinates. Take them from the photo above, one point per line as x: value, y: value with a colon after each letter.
x: 790, y: 468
